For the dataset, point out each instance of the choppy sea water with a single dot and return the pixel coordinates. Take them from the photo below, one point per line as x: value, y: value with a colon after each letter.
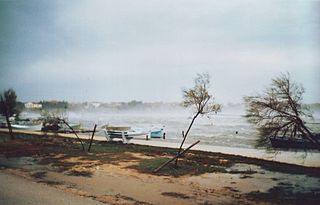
x: 228, y: 129
x: 216, y: 134
x: 219, y: 130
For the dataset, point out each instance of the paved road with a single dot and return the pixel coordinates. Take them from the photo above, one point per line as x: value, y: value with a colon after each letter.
x: 15, y: 190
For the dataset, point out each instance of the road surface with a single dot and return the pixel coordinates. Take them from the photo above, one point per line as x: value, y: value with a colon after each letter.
x: 16, y: 190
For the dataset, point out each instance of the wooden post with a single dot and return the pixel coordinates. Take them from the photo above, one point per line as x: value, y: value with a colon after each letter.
x: 178, y: 155
x: 94, y: 130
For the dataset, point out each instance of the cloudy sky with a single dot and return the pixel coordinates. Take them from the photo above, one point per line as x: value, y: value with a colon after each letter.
x: 151, y: 50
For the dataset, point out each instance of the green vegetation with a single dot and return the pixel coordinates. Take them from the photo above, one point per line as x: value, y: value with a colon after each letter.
x: 119, y: 147
x: 47, y: 105
x: 55, y: 150
x: 9, y: 107
x: 185, y: 167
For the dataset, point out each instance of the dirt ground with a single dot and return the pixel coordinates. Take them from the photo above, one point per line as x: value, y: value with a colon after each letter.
x: 115, y: 173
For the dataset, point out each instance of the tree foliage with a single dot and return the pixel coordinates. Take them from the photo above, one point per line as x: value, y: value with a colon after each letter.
x: 200, y: 100
x: 279, y: 111
x: 54, y: 105
x: 8, y: 103
x: 8, y: 106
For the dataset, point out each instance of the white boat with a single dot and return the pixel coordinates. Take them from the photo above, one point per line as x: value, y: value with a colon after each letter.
x: 115, y: 128
x: 122, y: 132
x: 27, y: 127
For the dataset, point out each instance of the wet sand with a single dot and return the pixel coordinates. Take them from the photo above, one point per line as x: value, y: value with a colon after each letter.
x: 291, y: 157
x: 115, y: 184
x: 110, y: 177
x: 16, y: 190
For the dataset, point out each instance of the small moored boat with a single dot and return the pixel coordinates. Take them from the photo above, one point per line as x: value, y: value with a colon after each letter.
x: 121, y: 132
x: 293, y: 143
x: 27, y: 127
x: 156, y: 133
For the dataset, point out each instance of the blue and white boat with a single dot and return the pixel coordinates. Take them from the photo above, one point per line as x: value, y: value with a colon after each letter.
x: 156, y: 132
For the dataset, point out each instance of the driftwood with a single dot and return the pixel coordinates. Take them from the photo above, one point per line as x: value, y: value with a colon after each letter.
x: 94, y: 130
x: 175, y: 157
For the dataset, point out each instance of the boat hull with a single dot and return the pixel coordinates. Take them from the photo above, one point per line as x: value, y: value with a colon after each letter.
x: 288, y: 143
x: 27, y: 127
x: 156, y: 134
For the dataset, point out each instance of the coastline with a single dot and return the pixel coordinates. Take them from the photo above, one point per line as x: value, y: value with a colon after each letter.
x: 310, y: 159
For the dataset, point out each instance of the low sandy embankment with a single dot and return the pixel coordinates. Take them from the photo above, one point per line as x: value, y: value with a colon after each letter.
x: 310, y: 159
x: 115, y: 173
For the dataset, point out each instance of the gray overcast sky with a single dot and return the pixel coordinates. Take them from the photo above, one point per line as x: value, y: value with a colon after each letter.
x: 151, y: 50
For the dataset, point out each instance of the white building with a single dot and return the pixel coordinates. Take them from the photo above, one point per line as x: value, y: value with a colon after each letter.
x: 32, y: 105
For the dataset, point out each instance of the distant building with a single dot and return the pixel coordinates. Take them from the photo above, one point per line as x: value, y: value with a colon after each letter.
x: 95, y: 104
x: 31, y: 105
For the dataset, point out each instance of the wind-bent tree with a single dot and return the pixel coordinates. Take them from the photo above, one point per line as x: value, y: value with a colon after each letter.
x: 8, y: 107
x: 200, y: 100
x: 279, y: 111
x: 53, y: 121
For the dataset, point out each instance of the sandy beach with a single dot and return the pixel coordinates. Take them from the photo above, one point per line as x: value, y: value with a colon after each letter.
x: 159, y: 102
x: 311, y: 159
x: 291, y: 157
x: 116, y: 173
x: 18, y: 190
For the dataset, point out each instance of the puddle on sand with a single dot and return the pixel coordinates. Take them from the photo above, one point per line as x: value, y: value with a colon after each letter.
x: 20, y: 162
x: 248, y: 178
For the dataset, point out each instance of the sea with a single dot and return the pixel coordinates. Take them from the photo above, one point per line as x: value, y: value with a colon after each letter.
x: 228, y: 128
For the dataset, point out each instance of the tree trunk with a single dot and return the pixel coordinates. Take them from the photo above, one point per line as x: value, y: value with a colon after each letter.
x: 74, y: 132
x: 94, y: 130
x: 175, y: 157
x: 9, y: 127
x: 185, y: 136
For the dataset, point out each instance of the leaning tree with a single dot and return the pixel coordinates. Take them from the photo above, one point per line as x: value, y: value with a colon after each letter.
x: 8, y: 107
x: 200, y: 100
x: 279, y: 111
